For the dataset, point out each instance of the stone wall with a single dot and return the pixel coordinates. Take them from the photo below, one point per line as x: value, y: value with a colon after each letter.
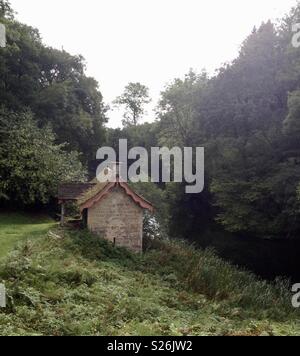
x: 118, y: 219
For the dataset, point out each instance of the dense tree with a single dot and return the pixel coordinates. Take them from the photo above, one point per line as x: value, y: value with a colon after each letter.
x: 53, y: 85
x: 178, y: 110
x: 31, y: 164
x: 252, y: 126
x: 248, y: 123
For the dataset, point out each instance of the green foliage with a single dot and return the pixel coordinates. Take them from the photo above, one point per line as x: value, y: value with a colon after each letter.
x: 5, y: 9
x: 177, y: 110
x: 246, y: 117
x: 134, y: 98
x: 54, y: 86
x: 51, y: 86
x: 202, y: 272
x: 73, y: 283
x: 257, y: 192
x: 31, y: 164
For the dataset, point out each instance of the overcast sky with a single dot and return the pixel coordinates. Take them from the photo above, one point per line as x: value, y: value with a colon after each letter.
x: 150, y: 41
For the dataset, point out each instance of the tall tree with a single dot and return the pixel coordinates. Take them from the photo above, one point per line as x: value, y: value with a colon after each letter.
x: 178, y: 110
x: 134, y: 99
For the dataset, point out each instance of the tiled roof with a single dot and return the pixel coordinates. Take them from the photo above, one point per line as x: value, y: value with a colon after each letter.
x: 88, y: 194
x: 96, y: 195
x: 91, y: 192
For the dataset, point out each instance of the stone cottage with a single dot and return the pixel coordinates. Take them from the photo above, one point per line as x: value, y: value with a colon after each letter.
x: 114, y: 211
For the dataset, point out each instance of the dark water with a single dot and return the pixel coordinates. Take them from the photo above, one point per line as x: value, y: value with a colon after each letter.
x: 266, y: 258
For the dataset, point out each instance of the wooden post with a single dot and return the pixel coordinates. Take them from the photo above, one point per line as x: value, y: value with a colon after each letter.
x: 62, y: 217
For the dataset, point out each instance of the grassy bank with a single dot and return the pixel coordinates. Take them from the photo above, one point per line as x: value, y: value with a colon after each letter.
x: 72, y: 283
x: 15, y: 228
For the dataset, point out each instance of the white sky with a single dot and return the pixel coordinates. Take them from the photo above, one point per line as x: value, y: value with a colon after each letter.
x: 150, y: 41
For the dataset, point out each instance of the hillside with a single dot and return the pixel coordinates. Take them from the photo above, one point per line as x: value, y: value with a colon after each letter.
x: 72, y: 283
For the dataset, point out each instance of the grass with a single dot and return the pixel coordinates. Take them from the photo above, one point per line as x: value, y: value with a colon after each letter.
x: 73, y: 283
x: 15, y: 228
